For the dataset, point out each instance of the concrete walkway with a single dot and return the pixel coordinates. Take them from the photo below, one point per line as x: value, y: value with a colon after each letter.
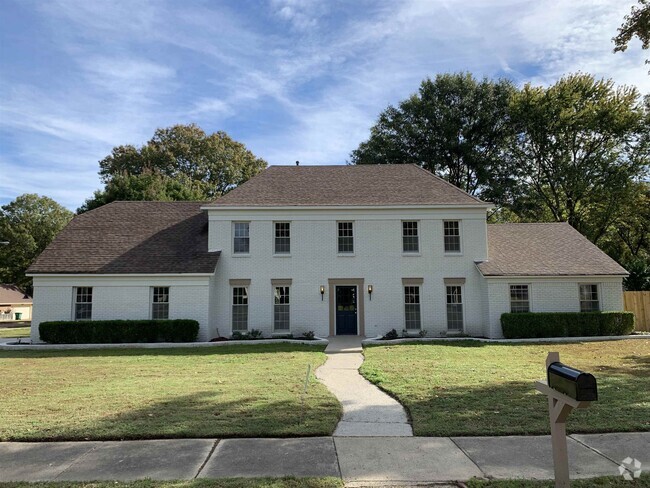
x: 360, y: 461
x: 367, y: 411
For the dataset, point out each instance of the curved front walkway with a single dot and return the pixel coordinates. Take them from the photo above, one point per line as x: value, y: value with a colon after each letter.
x: 367, y: 411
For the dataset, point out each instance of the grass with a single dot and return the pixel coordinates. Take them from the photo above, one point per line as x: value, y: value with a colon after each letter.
x: 602, y: 482
x: 231, y: 391
x: 14, y: 332
x: 475, y: 388
x: 203, y: 483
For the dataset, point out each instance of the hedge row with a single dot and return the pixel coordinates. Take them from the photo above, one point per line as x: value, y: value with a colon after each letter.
x: 118, y: 331
x: 565, y: 324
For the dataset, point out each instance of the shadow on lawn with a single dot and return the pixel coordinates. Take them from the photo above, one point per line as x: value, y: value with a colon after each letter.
x: 198, y: 415
x: 27, y: 353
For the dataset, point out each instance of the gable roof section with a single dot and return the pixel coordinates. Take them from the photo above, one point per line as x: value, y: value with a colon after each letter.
x: 353, y: 185
x: 554, y: 249
x: 10, y: 294
x: 132, y: 238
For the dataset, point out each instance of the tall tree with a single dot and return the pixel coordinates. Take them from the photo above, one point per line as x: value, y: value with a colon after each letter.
x: 635, y: 24
x: 455, y: 126
x: 181, y: 162
x: 28, y: 224
x: 581, y: 144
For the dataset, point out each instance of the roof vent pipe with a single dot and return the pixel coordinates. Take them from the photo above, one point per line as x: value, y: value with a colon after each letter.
x: 297, y: 163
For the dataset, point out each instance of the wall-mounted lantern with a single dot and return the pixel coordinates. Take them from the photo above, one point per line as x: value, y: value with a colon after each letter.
x: 370, y: 292
x: 322, y: 292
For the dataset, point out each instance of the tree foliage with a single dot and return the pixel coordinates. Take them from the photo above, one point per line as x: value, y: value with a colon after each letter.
x: 29, y: 224
x: 455, y: 126
x: 181, y: 162
x: 635, y: 24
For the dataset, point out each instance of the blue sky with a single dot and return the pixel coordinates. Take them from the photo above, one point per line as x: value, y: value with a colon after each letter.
x: 292, y: 79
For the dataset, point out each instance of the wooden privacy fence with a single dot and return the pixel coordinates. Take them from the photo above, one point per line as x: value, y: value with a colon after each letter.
x: 639, y: 303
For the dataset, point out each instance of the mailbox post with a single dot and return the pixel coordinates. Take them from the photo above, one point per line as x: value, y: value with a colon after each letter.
x: 566, y: 388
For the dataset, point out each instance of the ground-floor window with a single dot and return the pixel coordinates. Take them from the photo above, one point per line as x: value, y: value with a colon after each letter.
x: 412, y: 307
x: 454, y: 307
x: 160, y: 302
x: 281, y: 315
x: 83, y: 303
x: 519, y: 299
x: 589, y: 301
x: 239, y: 308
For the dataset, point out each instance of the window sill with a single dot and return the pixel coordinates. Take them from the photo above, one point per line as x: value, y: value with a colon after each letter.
x: 411, y: 254
x: 453, y: 254
x: 345, y: 254
x: 281, y: 255
x: 241, y: 255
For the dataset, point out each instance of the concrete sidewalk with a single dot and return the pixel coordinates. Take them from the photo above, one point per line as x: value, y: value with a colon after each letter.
x: 367, y: 411
x: 358, y: 460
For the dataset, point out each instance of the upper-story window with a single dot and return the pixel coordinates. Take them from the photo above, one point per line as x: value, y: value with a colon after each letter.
x: 519, y: 298
x: 83, y: 303
x: 410, y: 237
x: 160, y: 302
x: 282, y: 240
x: 346, y: 238
x: 241, y: 241
x: 589, y: 301
x: 452, y: 236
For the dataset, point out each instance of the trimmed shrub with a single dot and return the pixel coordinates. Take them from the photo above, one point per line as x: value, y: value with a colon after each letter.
x: 566, y: 324
x: 118, y: 331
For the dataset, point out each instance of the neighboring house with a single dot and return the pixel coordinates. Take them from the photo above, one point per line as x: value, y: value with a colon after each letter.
x: 333, y: 249
x: 14, y: 304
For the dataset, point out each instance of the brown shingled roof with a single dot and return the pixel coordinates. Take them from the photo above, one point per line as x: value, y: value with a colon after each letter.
x: 132, y: 237
x: 10, y: 294
x: 554, y: 249
x: 353, y: 185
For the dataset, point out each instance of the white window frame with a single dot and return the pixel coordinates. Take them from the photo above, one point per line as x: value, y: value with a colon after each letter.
x: 462, y: 307
x: 275, y: 237
x: 234, y: 236
x: 530, y: 302
x: 75, y: 302
x: 338, y: 237
x: 233, y: 305
x: 598, y: 296
x: 417, y: 237
x: 152, y: 294
x: 419, y: 304
x: 460, y: 238
x: 287, y: 305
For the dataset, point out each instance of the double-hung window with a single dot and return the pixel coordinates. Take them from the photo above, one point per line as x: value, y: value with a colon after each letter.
x: 239, y: 308
x: 519, y: 298
x: 160, y: 302
x: 589, y: 301
x: 241, y: 241
x: 410, y: 237
x: 282, y: 240
x: 83, y: 303
x: 452, y: 236
x: 413, y: 318
x: 454, y: 308
x: 345, y: 238
x: 281, y: 315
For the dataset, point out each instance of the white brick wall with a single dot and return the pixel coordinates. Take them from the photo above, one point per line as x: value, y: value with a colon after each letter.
x: 549, y: 295
x: 378, y: 259
x: 121, y: 298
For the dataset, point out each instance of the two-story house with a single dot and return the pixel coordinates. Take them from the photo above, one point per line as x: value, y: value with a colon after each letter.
x: 333, y: 249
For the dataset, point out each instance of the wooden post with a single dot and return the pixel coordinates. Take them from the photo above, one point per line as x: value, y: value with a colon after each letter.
x: 559, y: 408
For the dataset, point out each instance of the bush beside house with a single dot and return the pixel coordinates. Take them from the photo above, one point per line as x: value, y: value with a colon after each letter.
x: 566, y: 324
x: 118, y: 331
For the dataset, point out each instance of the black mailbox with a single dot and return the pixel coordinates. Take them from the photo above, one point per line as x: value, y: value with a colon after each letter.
x: 577, y: 384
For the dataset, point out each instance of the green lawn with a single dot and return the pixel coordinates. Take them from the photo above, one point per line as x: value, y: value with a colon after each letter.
x: 14, y: 332
x: 475, y: 388
x: 604, y: 482
x: 231, y: 391
x: 218, y: 483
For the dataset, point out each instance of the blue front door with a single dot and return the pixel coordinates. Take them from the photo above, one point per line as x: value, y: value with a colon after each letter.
x: 346, y: 310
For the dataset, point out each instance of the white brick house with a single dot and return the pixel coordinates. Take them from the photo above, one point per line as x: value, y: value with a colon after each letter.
x: 332, y: 249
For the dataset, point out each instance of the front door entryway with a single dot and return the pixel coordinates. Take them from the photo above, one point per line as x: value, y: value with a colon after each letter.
x: 346, y: 310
